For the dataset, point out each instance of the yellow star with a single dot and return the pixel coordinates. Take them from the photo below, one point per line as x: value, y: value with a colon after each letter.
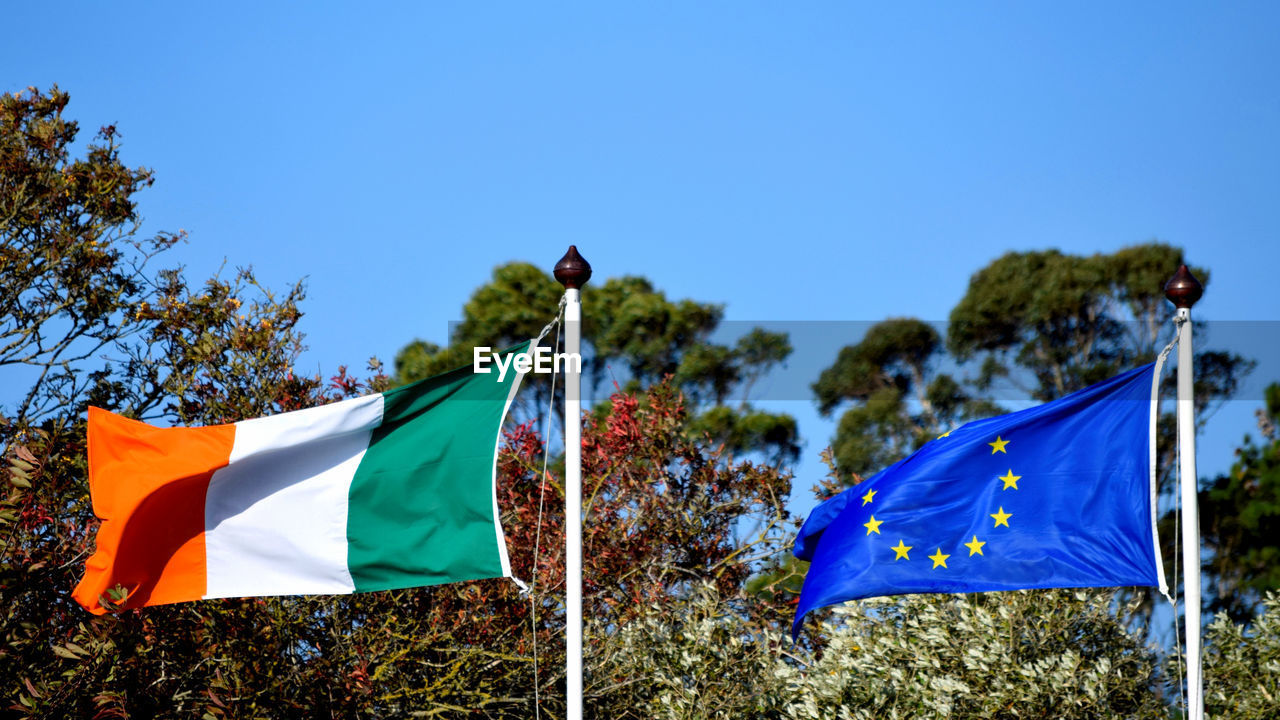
x: 1002, y: 518
x: 975, y: 546
x: 1010, y: 480
x: 873, y: 526
x: 901, y: 551
x: 868, y: 497
x: 998, y: 446
x: 945, y: 434
x: 939, y: 558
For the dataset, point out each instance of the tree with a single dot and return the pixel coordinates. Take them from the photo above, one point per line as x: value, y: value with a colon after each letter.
x: 648, y: 335
x: 992, y: 655
x: 1242, y: 665
x: 899, y: 401
x: 675, y: 523
x: 1068, y: 321
x: 88, y: 321
x: 512, y: 307
x: 1240, y: 520
x: 96, y: 325
x: 1045, y: 322
x: 706, y: 655
x: 1071, y: 321
x: 1059, y: 653
x: 1037, y: 653
x: 72, y: 261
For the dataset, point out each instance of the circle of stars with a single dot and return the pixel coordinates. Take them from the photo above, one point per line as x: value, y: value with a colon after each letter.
x: 1000, y: 518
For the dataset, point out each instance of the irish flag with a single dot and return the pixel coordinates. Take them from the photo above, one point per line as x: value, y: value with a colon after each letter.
x: 390, y: 490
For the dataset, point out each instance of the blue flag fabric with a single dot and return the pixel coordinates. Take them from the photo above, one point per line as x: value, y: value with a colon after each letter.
x: 1058, y: 495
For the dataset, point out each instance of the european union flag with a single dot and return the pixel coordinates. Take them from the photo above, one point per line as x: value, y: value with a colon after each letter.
x: 1058, y: 495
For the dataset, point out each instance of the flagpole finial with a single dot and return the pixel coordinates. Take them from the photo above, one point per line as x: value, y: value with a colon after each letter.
x: 1183, y: 289
x: 573, y: 271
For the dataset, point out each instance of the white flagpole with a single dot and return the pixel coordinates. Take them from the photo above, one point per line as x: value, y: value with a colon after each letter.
x: 573, y: 272
x: 1183, y: 290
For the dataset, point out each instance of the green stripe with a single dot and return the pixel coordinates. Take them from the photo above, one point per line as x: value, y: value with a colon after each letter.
x: 421, y: 501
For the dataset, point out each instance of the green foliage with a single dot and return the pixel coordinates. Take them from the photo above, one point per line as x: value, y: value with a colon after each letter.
x: 1071, y: 321
x: 644, y: 329
x: 708, y: 371
x: 774, y: 434
x: 893, y: 354
x: 875, y: 434
x: 701, y: 657
x: 675, y: 525
x: 1062, y: 654
x: 517, y: 302
x: 1068, y: 321
x: 663, y: 515
x: 1050, y: 312
x: 217, y: 353
x: 509, y: 309
x: 421, y: 359
x: 74, y: 292
x: 71, y: 262
x: 627, y: 321
x: 1242, y: 666
x: 666, y: 509
x: 1028, y: 654
x: 759, y: 351
x: 1240, y: 520
x: 898, y: 402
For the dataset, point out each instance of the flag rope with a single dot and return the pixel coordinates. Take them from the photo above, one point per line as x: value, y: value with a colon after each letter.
x: 1169, y: 592
x: 1155, y: 416
x: 542, y: 492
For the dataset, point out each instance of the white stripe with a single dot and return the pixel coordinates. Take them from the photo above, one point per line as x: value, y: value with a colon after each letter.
x: 1151, y: 442
x: 503, y: 558
x: 276, y: 515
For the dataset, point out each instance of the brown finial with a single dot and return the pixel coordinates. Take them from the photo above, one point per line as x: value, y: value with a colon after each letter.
x: 1183, y: 289
x: 573, y: 271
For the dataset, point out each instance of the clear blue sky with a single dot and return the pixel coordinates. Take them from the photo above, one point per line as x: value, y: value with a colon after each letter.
x: 829, y: 161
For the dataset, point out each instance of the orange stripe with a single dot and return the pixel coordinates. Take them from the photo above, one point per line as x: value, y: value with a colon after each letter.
x: 148, y: 486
